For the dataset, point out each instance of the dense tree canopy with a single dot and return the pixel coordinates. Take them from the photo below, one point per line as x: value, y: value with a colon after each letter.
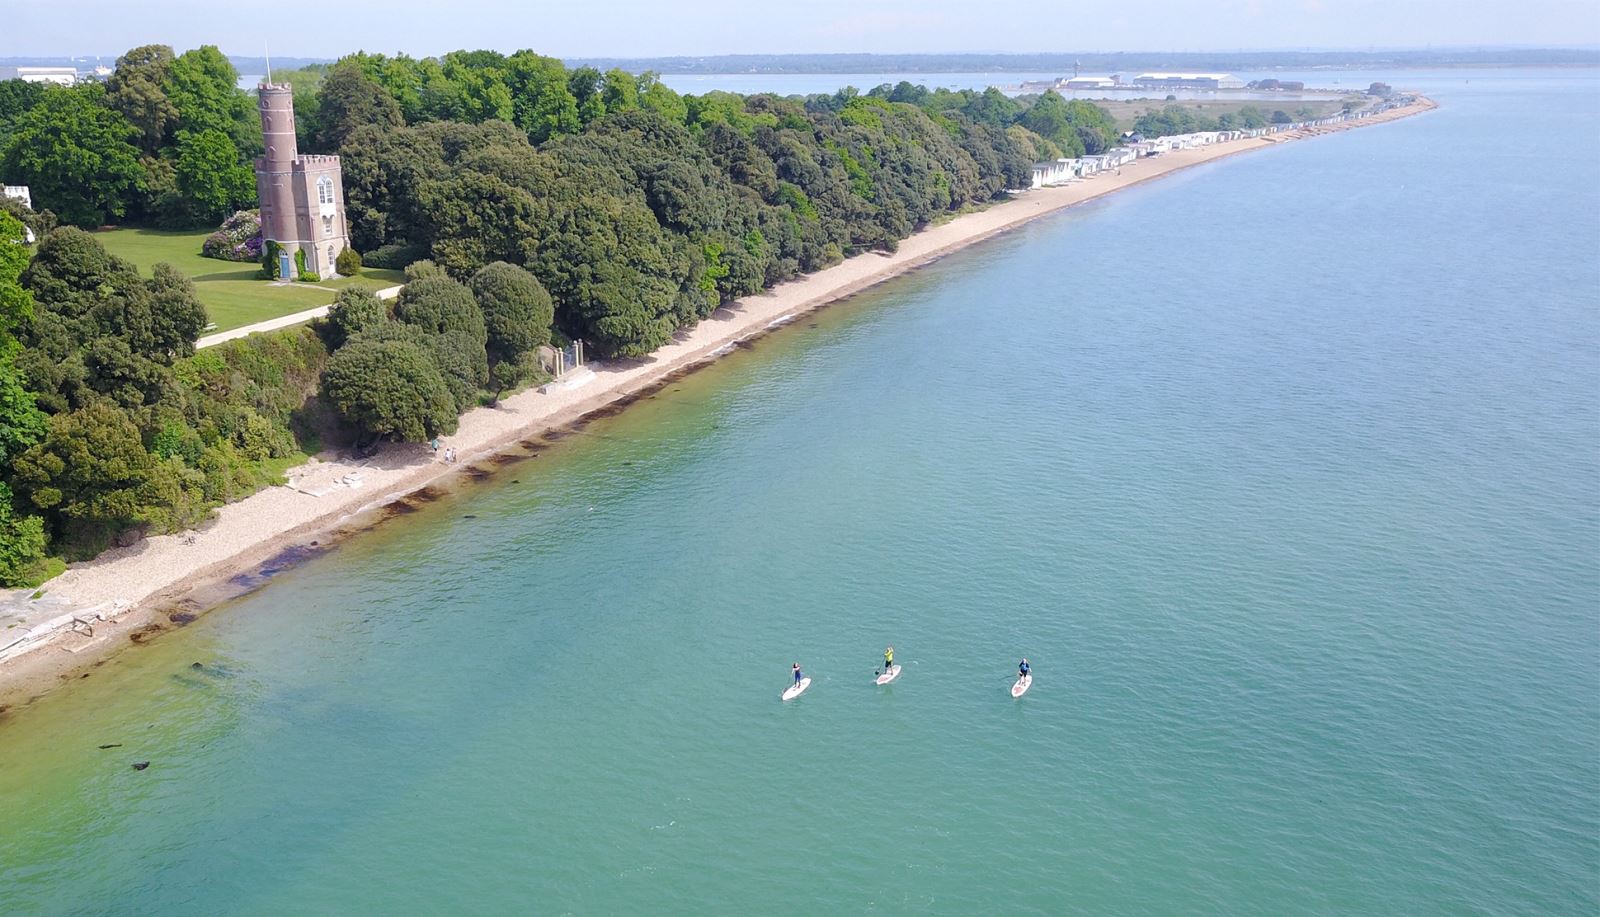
x: 517, y: 311
x: 76, y: 154
x: 389, y: 386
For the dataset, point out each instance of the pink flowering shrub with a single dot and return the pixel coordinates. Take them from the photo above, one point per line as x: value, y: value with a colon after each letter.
x: 239, y: 238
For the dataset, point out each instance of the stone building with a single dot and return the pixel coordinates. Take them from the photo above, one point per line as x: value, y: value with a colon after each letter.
x: 302, y: 197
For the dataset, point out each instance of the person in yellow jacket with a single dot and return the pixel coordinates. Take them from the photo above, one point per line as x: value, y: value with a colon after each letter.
x: 888, y: 658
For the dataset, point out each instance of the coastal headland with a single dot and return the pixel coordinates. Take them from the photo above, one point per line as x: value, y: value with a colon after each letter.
x: 129, y: 595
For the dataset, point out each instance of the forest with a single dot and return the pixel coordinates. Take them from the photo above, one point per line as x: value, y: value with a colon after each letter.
x: 529, y: 203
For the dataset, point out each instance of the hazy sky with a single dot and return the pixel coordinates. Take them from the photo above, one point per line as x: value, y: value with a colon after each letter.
x: 703, y: 27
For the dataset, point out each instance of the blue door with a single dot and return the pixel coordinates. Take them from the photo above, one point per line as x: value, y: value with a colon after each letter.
x: 285, y: 267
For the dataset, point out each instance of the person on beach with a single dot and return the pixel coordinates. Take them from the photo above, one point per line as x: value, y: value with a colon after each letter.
x: 1023, y: 668
x: 435, y: 444
x: 797, y: 673
x: 888, y: 658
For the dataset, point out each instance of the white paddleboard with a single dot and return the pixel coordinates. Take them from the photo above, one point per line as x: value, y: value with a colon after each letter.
x: 1022, y: 685
x: 891, y: 675
x: 795, y: 690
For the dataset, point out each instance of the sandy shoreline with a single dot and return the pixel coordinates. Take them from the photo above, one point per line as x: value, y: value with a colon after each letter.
x: 133, y: 592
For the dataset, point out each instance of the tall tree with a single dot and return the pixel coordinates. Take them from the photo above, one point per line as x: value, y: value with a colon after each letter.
x: 210, y: 176
x: 205, y: 88
x: 137, y: 89
x: 516, y: 310
x: 349, y: 99
x: 542, y: 102
x: 77, y: 155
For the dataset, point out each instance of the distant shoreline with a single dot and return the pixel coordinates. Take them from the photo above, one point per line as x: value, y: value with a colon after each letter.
x: 165, y: 581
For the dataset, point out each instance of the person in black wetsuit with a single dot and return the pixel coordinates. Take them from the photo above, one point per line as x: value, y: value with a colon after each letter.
x: 1023, y: 669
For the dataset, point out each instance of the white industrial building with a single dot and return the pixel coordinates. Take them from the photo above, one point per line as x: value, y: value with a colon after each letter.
x: 62, y: 76
x: 1089, y: 82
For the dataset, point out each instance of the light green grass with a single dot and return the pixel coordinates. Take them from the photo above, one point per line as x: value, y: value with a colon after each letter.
x: 230, y: 290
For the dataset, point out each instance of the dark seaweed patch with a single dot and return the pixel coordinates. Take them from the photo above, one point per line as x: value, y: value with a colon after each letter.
x: 181, y: 618
x: 144, y: 634
x: 281, y: 561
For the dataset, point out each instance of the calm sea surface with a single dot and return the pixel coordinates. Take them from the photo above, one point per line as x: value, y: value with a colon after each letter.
x: 1284, y: 472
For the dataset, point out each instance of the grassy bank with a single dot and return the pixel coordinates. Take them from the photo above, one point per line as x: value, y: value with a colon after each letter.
x: 231, y: 291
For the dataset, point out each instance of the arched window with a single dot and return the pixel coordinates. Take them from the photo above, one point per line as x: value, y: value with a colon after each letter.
x: 331, y: 259
x: 327, y: 226
x: 324, y: 190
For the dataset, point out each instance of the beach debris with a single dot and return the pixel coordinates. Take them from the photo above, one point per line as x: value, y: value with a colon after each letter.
x: 112, y: 745
x: 140, y: 765
x: 469, y: 516
x: 196, y: 665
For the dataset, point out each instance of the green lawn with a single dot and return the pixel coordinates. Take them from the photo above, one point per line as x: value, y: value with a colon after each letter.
x: 230, y: 290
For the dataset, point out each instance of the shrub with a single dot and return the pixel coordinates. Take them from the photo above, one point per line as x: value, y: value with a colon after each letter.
x: 237, y: 239
x: 394, y: 256
x: 348, y: 264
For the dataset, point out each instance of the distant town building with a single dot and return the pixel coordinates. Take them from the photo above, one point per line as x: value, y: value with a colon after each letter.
x: 1187, y: 81
x: 302, y: 197
x: 63, y: 76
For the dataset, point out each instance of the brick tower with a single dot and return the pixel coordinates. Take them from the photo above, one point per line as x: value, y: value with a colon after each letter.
x: 302, y: 197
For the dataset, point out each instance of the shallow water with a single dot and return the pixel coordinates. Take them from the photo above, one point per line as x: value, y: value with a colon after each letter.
x: 1283, y: 472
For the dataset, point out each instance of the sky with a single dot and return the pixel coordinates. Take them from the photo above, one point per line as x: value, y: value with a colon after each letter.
x: 647, y: 28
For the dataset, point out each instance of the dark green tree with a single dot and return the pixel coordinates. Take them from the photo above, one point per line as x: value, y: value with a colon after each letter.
x: 137, y: 89
x: 89, y: 472
x: 517, y: 311
x: 76, y: 154
x: 348, y: 99
x: 355, y: 309
x: 438, y: 304
x: 389, y: 387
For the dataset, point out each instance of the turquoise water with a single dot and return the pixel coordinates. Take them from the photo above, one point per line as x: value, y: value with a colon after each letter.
x: 1284, y: 472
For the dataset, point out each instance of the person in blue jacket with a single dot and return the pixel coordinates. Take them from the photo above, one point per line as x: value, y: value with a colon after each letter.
x: 1023, y: 668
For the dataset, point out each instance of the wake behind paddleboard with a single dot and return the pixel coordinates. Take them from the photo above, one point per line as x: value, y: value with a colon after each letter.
x: 1022, y: 685
x: 797, y: 689
x: 891, y: 675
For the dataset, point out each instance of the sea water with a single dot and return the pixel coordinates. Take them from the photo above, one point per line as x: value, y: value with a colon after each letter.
x: 1283, y: 472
